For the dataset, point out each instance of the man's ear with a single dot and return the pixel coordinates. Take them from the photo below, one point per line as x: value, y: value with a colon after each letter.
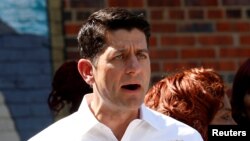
x: 85, y: 70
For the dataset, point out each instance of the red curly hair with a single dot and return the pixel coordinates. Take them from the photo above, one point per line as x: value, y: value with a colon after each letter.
x: 192, y: 96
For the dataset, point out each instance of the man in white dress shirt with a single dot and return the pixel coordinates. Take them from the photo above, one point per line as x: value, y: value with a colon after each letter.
x: 115, y: 62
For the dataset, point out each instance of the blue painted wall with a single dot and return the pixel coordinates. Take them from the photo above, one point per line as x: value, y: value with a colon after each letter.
x: 25, y: 16
x: 25, y: 64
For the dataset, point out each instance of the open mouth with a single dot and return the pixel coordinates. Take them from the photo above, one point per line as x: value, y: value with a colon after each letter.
x: 131, y: 87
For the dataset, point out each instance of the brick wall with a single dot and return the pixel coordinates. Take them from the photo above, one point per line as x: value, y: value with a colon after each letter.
x: 185, y: 33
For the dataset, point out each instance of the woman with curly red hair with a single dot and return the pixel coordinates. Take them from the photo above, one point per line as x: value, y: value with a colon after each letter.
x: 192, y: 96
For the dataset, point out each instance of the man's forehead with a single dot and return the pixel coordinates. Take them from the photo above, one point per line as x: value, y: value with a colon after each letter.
x: 123, y: 49
x: 123, y: 44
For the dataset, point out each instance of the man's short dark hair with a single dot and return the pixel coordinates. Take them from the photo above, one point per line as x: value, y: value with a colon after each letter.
x: 91, y: 37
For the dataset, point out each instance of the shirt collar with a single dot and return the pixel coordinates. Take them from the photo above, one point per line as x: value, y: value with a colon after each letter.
x: 153, y: 118
x: 86, y: 115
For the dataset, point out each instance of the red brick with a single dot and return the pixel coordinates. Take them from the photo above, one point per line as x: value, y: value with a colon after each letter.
x: 72, y: 55
x: 215, y: 14
x: 163, y: 3
x: 163, y: 27
x: 175, y: 66
x: 177, y: 40
x: 224, y: 26
x: 176, y: 14
x: 155, y: 67
x: 245, y: 39
x: 197, y: 53
x: 234, y: 52
x: 152, y: 41
x: 72, y: 29
x: 126, y: 3
x: 156, y: 14
x: 215, y: 40
x: 196, y: 14
x: 163, y: 54
x: 242, y: 26
x: 220, y: 66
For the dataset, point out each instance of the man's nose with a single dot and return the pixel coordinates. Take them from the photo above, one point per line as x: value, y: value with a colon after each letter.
x: 133, y: 65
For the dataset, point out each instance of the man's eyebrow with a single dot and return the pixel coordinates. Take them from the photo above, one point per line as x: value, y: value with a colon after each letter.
x: 143, y: 50
x: 138, y: 50
x: 120, y: 50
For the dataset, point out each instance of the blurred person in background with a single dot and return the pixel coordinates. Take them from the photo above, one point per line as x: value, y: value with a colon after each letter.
x: 68, y: 89
x: 240, y: 100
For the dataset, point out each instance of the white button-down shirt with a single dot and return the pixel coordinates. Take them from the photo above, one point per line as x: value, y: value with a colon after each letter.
x: 83, y: 126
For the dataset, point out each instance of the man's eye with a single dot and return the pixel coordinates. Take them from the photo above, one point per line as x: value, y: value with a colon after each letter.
x: 118, y: 57
x: 141, y: 56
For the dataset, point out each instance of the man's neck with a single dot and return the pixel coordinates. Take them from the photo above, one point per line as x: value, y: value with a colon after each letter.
x: 116, y: 119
